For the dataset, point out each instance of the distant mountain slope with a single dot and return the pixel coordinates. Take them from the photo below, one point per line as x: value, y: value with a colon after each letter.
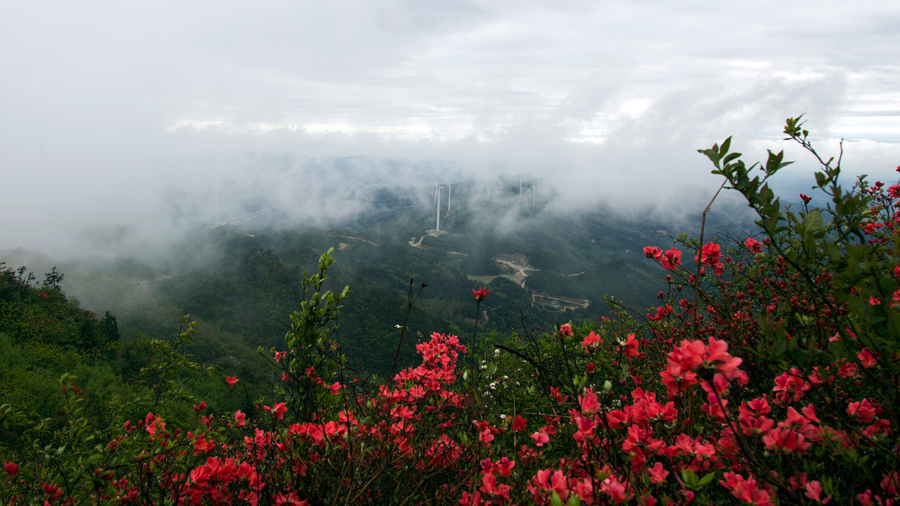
x: 242, y: 281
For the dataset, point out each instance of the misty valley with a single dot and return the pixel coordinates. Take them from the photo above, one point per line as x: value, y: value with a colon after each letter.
x: 240, y: 280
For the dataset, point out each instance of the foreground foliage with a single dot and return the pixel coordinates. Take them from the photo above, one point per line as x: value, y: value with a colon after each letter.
x: 766, y: 374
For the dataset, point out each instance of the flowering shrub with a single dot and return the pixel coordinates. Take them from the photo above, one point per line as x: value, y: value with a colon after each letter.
x: 767, y: 373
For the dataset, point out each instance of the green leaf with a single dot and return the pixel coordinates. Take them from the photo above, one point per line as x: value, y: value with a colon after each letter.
x: 707, y: 479
x: 555, y: 499
x: 689, y: 478
x: 779, y: 348
x: 725, y: 145
x: 813, y: 222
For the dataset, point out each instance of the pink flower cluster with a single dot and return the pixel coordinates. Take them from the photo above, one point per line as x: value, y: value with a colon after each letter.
x: 670, y: 259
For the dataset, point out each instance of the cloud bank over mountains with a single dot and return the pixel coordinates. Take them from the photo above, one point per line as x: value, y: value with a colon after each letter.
x: 129, y: 114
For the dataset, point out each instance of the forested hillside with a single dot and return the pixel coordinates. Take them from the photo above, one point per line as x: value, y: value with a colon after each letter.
x: 239, y: 282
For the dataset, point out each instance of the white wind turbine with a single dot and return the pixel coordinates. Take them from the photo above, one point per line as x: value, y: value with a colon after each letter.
x: 434, y: 202
x: 437, y: 225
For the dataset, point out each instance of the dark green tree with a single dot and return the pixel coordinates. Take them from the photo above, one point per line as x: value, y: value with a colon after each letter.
x: 53, y: 279
x: 109, y: 328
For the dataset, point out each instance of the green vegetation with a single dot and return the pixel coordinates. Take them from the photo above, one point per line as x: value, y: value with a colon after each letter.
x: 764, y: 372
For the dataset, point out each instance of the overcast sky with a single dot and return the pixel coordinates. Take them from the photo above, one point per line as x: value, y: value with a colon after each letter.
x: 107, y: 109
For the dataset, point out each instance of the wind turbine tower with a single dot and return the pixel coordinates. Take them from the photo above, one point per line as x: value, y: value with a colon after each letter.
x: 533, y: 193
x: 449, y: 191
x: 434, y: 202
x: 437, y: 225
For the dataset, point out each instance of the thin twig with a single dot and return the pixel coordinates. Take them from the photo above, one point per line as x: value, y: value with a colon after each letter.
x: 410, y: 301
x: 700, y: 264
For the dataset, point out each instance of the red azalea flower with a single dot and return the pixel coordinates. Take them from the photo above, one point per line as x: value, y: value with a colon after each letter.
x: 684, y: 360
x: 866, y: 357
x: 540, y: 438
x: 711, y: 255
x: 481, y: 294
x: 153, y: 423
x: 11, y: 469
x: 231, y: 381
x: 591, y: 342
x: 203, y: 445
x: 745, y: 489
x: 814, y: 492
x: 753, y: 245
x: 288, y: 500
x: 672, y: 259
x: 589, y: 403
x: 559, y: 484
x: 863, y: 411
x: 785, y: 440
x: 630, y: 346
x: 653, y: 252
x: 491, y: 487
x: 277, y: 410
x: 658, y: 474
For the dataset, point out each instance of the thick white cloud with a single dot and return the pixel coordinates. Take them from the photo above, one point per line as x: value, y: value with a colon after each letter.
x: 109, y: 108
